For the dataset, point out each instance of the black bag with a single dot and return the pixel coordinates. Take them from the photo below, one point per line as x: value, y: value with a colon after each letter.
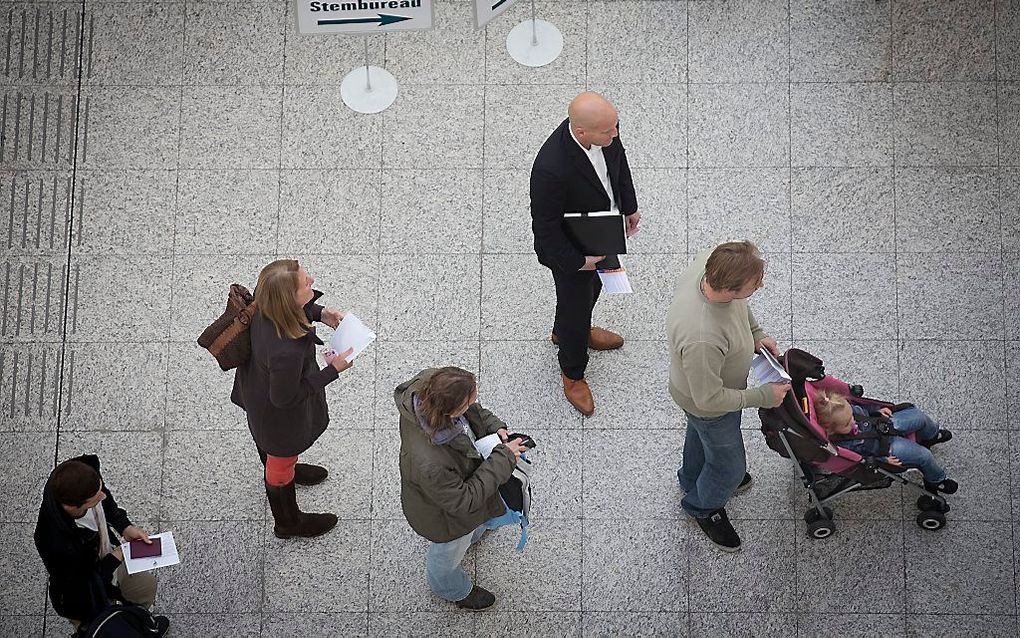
x: 124, y: 621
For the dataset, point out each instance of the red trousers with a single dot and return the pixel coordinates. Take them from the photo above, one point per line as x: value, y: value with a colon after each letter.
x: 280, y: 470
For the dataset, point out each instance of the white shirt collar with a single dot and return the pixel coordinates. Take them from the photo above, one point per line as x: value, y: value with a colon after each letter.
x: 594, y: 147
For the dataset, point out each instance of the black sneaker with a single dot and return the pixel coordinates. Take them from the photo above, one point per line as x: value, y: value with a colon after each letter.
x: 941, y: 437
x: 946, y: 486
x: 719, y: 530
x: 477, y: 600
x: 746, y: 484
x: 162, y: 626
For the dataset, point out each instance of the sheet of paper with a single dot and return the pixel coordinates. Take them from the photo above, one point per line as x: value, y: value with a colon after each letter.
x: 351, y: 333
x: 167, y: 558
x: 615, y: 282
x: 486, y: 444
x: 767, y: 369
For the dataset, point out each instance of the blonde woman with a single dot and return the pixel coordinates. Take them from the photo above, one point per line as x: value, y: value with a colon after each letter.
x: 283, y: 391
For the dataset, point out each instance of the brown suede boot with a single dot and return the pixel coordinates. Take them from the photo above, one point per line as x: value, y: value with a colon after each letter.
x: 579, y: 395
x: 598, y: 339
x: 291, y: 521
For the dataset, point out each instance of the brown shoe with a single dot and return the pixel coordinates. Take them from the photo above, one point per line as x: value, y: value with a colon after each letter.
x: 579, y: 395
x: 602, y: 339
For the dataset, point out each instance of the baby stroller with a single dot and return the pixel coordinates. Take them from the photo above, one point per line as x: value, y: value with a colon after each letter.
x: 826, y: 470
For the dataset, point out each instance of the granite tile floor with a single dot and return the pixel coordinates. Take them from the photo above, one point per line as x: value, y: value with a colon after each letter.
x: 153, y: 153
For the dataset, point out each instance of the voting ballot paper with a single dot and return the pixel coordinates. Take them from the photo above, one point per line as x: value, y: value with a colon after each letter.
x: 767, y: 369
x: 351, y: 333
x: 615, y: 281
x: 167, y: 556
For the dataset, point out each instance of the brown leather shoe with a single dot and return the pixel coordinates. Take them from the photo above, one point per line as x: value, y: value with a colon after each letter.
x: 602, y: 339
x: 579, y: 395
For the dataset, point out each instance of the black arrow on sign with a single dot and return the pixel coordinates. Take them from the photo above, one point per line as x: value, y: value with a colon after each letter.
x: 383, y: 20
x: 496, y: 6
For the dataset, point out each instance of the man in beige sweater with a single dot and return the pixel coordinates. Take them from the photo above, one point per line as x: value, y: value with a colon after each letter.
x: 712, y: 338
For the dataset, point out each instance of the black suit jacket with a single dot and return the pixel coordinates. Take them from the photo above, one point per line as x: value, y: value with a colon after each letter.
x: 564, y: 181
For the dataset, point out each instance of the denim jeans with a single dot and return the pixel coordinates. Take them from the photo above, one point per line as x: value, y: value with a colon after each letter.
x: 910, y: 453
x: 442, y: 566
x: 913, y: 420
x: 714, y: 463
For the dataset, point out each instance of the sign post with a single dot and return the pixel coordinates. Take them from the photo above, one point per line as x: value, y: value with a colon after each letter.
x: 366, y: 89
x: 534, y: 42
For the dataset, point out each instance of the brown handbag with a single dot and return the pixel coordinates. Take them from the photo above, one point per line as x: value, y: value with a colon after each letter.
x: 227, y: 338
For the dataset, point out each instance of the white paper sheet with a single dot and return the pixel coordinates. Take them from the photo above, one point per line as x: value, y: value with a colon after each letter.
x: 615, y: 282
x: 167, y: 558
x: 486, y: 444
x: 351, y: 333
x: 767, y: 369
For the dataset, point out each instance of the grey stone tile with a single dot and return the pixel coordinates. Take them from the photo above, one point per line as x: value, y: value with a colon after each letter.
x: 547, y: 576
x: 198, y: 392
x: 653, y: 118
x: 29, y: 392
x: 347, y: 283
x: 446, y: 54
x: 506, y: 212
x: 623, y: 404
x: 946, y: 296
x: 1011, y: 290
x: 827, y: 303
x: 399, y: 361
x: 118, y: 298
x: 938, y: 41
x: 125, y: 212
x: 398, y: 571
x: 386, y: 474
x: 518, y: 120
x: 864, y: 625
x: 965, y: 566
x: 300, y: 625
x: 734, y: 204
x: 841, y: 124
x: 431, y: 211
x: 313, y: 201
x: 201, y: 625
x: 739, y: 42
x: 828, y: 570
x: 843, y: 41
x: 34, y: 299
x: 230, y: 127
x: 634, y: 565
x: 220, y: 49
x: 1009, y: 202
x: 338, y: 558
x: 946, y: 626
x: 39, y: 127
x: 657, y: 34
x: 518, y: 298
x: 972, y: 368
x: 227, y: 212
x: 305, y: 54
x: 451, y: 139
x: 641, y: 314
x: 773, y: 308
x: 22, y: 626
x: 131, y: 464
x: 134, y: 44
x: 32, y: 453
x: 644, y: 624
x: 1012, y: 384
x: 238, y: 493
x: 775, y: 487
x: 351, y: 398
x: 221, y: 571
x: 1007, y: 29
x: 568, y: 68
x: 341, y: 139
x: 830, y: 205
x: 950, y: 124
x: 643, y: 487
x: 23, y: 589
x: 37, y: 207
x: 533, y: 625
x: 38, y: 39
x: 557, y: 488
x: 429, y: 297
x: 200, y: 286
x: 738, y: 124
x: 744, y: 625
x: 129, y: 127
x: 760, y: 577
x: 520, y: 380
x: 348, y: 490
x: 1009, y: 124
x: 869, y: 363
x: 947, y: 209
x: 422, y: 624
x: 662, y: 195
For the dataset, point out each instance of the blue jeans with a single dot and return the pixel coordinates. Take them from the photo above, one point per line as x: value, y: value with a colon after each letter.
x: 910, y: 453
x: 913, y: 420
x: 714, y: 463
x: 442, y: 566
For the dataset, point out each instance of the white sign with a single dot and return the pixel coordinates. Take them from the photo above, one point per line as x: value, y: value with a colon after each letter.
x: 486, y: 10
x: 363, y: 16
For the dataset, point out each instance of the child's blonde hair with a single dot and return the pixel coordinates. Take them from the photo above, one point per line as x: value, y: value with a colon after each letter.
x: 828, y: 407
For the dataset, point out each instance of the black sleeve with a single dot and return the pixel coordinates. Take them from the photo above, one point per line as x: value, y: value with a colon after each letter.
x: 628, y: 198
x: 288, y: 385
x: 115, y: 515
x: 547, y: 206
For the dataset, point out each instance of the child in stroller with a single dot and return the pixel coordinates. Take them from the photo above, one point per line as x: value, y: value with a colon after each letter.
x: 830, y: 470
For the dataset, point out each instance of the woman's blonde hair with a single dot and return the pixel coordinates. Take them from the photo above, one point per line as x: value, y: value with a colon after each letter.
x: 828, y: 406
x: 442, y: 394
x: 276, y: 296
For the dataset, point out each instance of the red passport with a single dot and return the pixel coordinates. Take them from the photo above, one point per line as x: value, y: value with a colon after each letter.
x: 141, y: 549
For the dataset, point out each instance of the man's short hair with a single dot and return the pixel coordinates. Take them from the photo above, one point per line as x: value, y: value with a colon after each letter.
x: 733, y: 265
x: 73, y: 483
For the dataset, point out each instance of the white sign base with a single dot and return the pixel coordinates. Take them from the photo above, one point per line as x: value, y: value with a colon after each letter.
x: 534, y: 43
x: 369, y: 89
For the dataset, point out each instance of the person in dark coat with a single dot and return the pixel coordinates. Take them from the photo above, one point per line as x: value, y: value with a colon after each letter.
x: 283, y: 391
x: 77, y: 538
x: 581, y: 168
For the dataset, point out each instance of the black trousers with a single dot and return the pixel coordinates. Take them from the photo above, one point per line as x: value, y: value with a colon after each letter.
x: 576, y: 294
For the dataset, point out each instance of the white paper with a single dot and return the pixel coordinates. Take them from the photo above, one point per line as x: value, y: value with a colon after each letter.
x: 615, y: 282
x: 767, y: 369
x: 167, y: 558
x: 486, y: 444
x: 351, y: 333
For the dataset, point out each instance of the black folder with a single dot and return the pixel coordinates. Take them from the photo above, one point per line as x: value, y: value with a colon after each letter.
x: 597, y: 234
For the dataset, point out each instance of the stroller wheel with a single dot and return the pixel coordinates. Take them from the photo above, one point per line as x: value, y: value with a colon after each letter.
x: 812, y: 515
x: 931, y: 520
x: 821, y: 528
